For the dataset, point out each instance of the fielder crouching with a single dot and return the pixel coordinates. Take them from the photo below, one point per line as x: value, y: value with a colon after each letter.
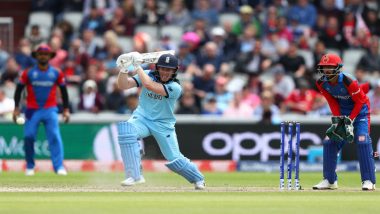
x: 350, y: 122
x: 153, y: 116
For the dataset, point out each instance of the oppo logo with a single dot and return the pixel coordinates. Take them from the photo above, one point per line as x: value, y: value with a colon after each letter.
x: 260, y: 144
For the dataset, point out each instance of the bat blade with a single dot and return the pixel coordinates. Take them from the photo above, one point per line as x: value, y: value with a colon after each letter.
x: 152, y: 57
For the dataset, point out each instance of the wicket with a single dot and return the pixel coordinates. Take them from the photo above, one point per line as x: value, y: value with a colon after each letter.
x: 290, y: 155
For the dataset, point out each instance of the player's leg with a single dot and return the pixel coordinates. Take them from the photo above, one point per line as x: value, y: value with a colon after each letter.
x: 365, y: 153
x: 330, y: 156
x: 128, y: 134
x: 51, y: 123
x: 168, y: 143
x: 30, y: 133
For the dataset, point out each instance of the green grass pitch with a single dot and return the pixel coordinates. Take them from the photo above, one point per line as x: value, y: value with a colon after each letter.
x: 166, y: 193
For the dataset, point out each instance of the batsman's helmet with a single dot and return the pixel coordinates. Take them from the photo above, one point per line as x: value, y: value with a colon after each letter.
x: 330, y: 59
x: 43, y: 48
x: 167, y: 61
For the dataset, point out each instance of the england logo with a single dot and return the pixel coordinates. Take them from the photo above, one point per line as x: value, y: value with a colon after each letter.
x: 167, y: 59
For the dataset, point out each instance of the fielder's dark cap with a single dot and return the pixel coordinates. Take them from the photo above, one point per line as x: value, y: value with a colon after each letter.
x: 43, y: 48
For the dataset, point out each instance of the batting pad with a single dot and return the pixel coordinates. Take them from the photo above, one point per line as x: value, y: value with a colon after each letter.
x: 330, y: 156
x: 366, y: 160
x: 185, y: 168
x: 129, y: 149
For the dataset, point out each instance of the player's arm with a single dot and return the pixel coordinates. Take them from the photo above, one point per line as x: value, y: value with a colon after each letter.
x: 17, y: 96
x: 357, y: 95
x: 333, y: 103
x: 151, y: 85
x: 126, y: 82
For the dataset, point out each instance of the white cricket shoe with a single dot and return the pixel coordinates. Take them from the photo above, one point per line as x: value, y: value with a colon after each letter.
x: 200, y: 185
x: 367, y: 185
x: 131, y: 181
x: 324, y: 184
x: 62, y: 171
x: 29, y: 172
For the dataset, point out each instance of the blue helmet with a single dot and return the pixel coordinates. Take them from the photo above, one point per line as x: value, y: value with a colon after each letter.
x: 167, y: 61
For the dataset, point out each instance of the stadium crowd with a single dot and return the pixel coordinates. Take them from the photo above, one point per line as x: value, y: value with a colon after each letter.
x: 238, y: 58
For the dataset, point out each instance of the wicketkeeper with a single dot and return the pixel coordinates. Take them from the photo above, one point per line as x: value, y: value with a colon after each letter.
x: 153, y: 116
x: 350, y: 107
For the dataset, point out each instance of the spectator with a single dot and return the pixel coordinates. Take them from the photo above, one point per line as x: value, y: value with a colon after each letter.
x: 132, y: 103
x: 370, y: 61
x: 282, y: 29
x: 247, y: 39
x: 332, y: 36
x: 237, y: 108
x: 105, y: 7
x: 329, y: 9
x: 374, y: 98
x: 250, y: 98
x: 206, y: 12
x: 35, y: 38
x: 273, y: 46
x: 300, y: 100
x: 355, y: 30
x: 152, y: 14
x: 283, y: 84
x: 253, y: 62
x: 4, y: 55
x: 91, y: 100
x: 11, y: 73
x: 267, y: 112
x: 7, y: 105
x: 205, y: 83
x: 185, y: 57
x: 94, y: 20
x: 77, y: 62
x: 187, y: 104
x: 116, y: 101
x: 22, y: 56
x: 247, y: 18
x: 373, y: 22
x: 210, y: 55
x: 305, y: 12
x: 319, y: 51
x: 110, y: 40
x: 166, y: 43
x: 61, y: 55
x: 231, y: 43
x: 255, y: 85
x: 121, y: 24
x: 89, y: 44
x: 293, y: 63
x: 67, y: 30
x: 210, y: 107
x: 222, y: 96
x: 178, y: 14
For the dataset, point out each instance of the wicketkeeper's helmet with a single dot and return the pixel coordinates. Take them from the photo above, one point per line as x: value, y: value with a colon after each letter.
x: 330, y: 59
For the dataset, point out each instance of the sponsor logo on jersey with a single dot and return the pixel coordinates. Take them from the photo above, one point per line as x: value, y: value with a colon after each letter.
x: 43, y: 83
x: 154, y: 96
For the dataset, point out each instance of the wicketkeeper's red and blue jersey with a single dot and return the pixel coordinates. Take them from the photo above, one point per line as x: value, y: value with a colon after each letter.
x: 42, y: 86
x: 345, y: 97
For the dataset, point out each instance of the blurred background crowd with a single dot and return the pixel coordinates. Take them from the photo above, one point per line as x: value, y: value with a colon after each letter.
x: 238, y: 58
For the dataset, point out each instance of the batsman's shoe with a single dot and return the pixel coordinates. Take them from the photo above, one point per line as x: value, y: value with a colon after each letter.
x: 200, y: 185
x: 324, y: 184
x: 367, y: 185
x: 62, y: 171
x: 131, y: 181
x: 29, y: 172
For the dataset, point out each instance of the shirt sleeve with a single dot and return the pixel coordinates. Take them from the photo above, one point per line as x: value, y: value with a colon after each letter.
x: 137, y: 78
x: 61, y: 78
x: 358, y: 96
x: 333, y: 103
x: 24, y: 77
x: 173, y: 90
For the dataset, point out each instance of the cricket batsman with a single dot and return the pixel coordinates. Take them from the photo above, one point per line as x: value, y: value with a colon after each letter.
x: 153, y: 116
x: 350, y: 107
x: 41, y: 82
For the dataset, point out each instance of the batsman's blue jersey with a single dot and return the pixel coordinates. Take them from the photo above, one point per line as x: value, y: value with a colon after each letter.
x: 156, y: 107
